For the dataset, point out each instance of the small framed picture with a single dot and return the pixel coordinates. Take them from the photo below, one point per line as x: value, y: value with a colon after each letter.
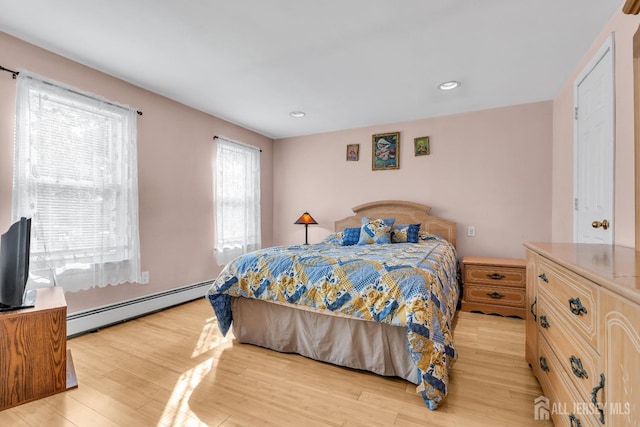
x: 385, y: 151
x: 353, y: 152
x: 421, y: 146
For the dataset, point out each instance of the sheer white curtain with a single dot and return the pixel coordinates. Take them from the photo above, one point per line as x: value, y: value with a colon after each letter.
x: 75, y: 175
x: 237, y: 200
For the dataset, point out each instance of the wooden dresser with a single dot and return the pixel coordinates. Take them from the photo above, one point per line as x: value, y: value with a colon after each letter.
x: 583, y: 332
x: 34, y: 360
x: 494, y: 285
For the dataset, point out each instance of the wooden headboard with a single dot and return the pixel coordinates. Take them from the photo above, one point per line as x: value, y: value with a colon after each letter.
x: 404, y: 213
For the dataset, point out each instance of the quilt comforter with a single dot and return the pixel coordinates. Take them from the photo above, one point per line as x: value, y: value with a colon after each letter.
x: 403, y: 284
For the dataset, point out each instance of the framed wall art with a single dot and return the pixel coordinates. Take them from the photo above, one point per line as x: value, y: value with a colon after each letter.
x: 353, y: 152
x: 421, y: 146
x: 385, y: 153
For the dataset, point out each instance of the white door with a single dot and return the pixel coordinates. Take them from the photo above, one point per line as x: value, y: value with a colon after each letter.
x: 594, y: 149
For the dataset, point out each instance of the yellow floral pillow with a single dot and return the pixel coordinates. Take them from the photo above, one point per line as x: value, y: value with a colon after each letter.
x: 375, y: 231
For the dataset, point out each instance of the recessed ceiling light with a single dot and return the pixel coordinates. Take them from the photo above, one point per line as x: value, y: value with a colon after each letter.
x: 297, y: 114
x: 449, y: 85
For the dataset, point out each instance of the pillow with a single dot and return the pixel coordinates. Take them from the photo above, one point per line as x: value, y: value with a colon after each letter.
x: 334, y: 238
x: 426, y: 236
x: 350, y: 236
x: 375, y: 230
x: 405, y: 233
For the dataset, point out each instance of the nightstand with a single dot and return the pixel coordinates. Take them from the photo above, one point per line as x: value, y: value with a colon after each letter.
x: 494, y: 285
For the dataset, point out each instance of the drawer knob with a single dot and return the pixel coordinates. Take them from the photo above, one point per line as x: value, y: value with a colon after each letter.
x: 576, y: 367
x: 533, y: 304
x: 575, y: 421
x: 496, y: 276
x: 544, y: 322
x: 576, y: 307
x: 543, y: 364
x: 594, y: 398
x: 495, y: 295
x: 544, y: 278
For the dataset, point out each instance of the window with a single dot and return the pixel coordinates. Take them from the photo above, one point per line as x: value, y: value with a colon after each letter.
x: 237, y: 200
x: 75, y: 175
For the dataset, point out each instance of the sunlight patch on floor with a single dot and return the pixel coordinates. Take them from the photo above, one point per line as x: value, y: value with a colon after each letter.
x: 209, y: 338
x: 177, y: 411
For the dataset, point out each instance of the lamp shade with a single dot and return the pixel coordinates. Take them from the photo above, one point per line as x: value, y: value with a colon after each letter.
x: 305, y: 218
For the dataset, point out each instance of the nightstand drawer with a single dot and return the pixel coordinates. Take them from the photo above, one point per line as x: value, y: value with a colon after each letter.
x: 498, y: 295
x: 495, y: 275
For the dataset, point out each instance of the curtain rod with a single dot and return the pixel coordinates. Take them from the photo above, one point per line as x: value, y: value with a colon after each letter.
x: 236, y: 142
x: 14, y: 74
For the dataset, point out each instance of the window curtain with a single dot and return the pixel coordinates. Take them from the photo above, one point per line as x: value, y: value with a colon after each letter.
x: 237, y: 199
x: 75, y: 175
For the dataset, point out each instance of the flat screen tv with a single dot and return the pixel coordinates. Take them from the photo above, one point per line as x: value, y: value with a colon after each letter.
x: 14, y: 267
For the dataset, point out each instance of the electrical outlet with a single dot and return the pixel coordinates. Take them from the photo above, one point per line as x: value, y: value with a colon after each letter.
x: 145, y: 277
x: 471, y: 231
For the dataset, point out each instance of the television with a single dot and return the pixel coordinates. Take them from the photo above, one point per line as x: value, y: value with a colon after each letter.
x: 14, y: 267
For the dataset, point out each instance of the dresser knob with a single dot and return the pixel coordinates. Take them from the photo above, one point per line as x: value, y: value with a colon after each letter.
x: 544, y: 278
x: 544, y: 322
x: 594, y: 398
x: 575, y: 421
x: 576, y: 307
x: 533, y: 304
x: 496, y: 276
x: 576, y: 367
x: 543, y: 364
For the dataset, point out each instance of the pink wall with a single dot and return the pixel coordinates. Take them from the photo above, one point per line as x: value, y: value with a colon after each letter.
x: 624, y: 27
x: 507, y: 171
x: 176, y: 155
x: 490, y: 169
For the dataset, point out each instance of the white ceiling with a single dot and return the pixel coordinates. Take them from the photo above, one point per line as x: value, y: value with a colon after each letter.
x: 346, y: 63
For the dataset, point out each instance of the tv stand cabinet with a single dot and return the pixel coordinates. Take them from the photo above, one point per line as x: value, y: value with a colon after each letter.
x: 34, y: 360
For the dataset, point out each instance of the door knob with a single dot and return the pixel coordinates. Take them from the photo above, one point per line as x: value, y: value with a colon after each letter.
x: 597, y: 224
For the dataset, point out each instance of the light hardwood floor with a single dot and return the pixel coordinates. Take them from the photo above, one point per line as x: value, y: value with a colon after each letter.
x: 172, y: 368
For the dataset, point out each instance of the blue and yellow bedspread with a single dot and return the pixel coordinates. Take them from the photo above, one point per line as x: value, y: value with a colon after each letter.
x: 402, y: 284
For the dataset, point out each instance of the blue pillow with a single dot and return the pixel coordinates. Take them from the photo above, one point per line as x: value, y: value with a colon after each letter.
x: 375, y: 231
x: 405, y: 233
x: 350, y: 236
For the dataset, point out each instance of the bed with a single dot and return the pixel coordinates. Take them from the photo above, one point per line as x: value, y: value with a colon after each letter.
x: 379, y: 306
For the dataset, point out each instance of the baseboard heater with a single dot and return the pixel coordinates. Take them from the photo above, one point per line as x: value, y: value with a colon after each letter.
x: 91, y: 320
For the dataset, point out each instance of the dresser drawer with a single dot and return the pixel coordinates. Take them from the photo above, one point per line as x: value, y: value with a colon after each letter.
x: 578, y: 359
x: 564, y: 401
x: 498, y: 295
x: 495, y: 275
x: 574, y: 297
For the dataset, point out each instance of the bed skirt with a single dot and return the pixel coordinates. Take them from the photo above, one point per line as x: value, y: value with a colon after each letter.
x: 354, y: 343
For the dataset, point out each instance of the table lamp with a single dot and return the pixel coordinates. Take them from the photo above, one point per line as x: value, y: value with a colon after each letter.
x: 306, y: 219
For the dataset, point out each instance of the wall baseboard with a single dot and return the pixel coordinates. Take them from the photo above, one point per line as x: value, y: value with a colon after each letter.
x: 91, y: 320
